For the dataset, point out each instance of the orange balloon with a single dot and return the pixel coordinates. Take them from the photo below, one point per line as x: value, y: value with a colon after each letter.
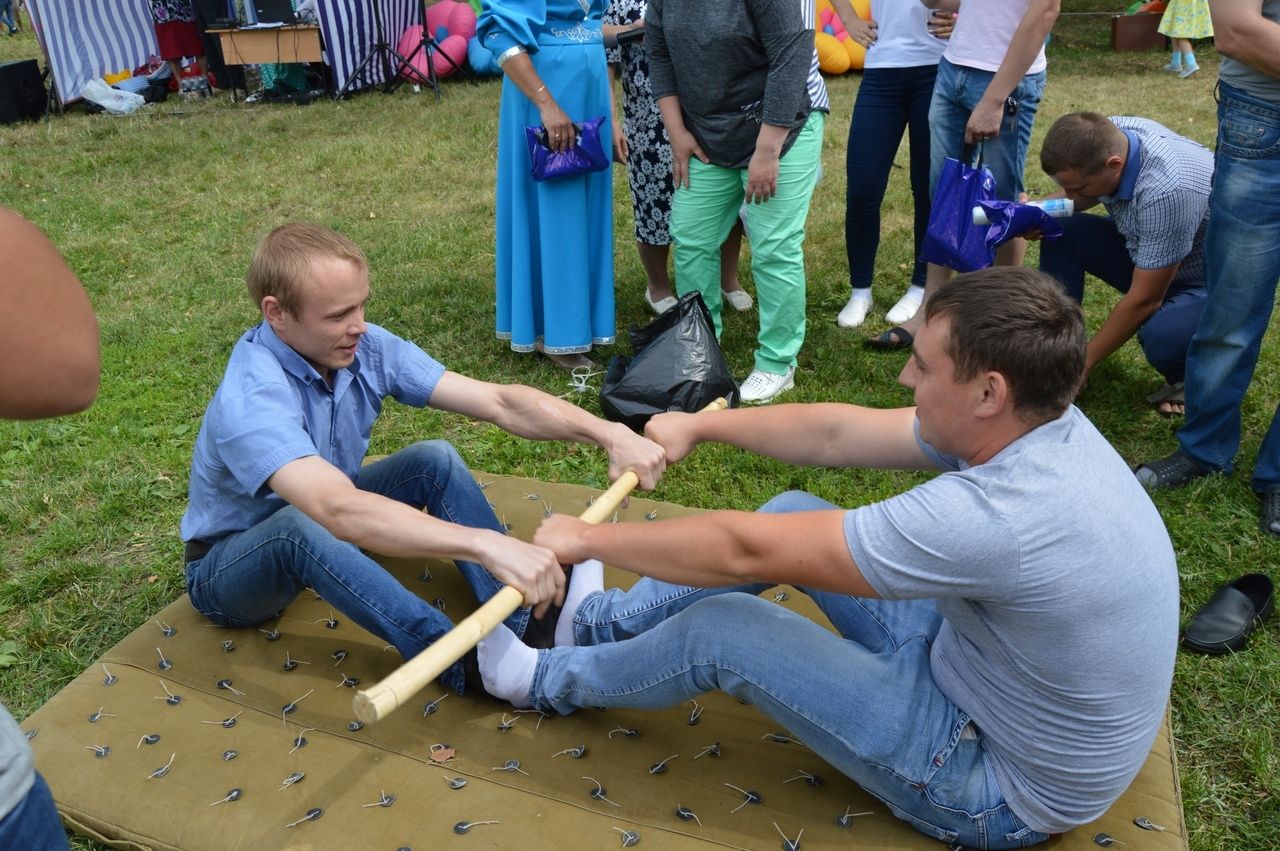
x: 857, y: 54
x: 833, y: 58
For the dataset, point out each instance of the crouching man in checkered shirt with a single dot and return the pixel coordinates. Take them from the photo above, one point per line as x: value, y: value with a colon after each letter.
x: 1155, y: 187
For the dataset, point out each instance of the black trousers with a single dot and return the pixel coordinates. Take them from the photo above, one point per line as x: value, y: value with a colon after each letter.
x: 207, y: 12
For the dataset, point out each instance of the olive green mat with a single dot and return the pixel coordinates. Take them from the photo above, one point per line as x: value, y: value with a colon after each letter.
x: 173, y: 762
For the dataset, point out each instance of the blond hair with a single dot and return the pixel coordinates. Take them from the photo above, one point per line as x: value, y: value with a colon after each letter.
x: 282, y: 261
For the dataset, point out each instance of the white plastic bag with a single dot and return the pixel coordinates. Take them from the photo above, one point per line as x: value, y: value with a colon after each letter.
x: 112, y: 100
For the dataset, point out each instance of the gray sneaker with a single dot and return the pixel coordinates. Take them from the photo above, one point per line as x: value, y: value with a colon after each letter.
x: 1172, y: 472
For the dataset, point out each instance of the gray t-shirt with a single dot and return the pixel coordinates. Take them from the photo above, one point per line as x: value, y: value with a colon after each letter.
x: 1252, y: 82
x: 17, y: 767
x: 1059, y: 592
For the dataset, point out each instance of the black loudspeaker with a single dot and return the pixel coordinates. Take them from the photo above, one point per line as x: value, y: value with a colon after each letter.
x: 22, y: 93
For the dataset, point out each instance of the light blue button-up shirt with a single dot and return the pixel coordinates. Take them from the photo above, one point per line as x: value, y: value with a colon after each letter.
x: 272, y: 407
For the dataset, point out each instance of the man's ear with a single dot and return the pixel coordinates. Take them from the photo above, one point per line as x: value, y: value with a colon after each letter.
x: 273, y: 311
x: 995, y: 394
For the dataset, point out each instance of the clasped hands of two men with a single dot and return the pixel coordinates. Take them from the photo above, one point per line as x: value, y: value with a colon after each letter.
x: 535, y: 568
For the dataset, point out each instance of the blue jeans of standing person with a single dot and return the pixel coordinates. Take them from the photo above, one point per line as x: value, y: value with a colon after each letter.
x: 890, y: 100
x: 250, y: 576
x: 1093, y: 244
x: 6, y: 15
x: 1242, y: 253
x: 864, y: 700
x: 34, y: 822
x: 956, y: 92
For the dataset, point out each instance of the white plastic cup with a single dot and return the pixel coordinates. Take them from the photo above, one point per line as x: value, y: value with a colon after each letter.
x: 1057, y: 207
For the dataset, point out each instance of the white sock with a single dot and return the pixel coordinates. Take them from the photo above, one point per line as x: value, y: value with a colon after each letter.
x: 861, y: 294
x: 915, y: 292
x: 585, y: 578
x: 506, y: 666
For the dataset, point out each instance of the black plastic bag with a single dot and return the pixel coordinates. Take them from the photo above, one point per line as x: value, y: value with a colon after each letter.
x: 677, y: 366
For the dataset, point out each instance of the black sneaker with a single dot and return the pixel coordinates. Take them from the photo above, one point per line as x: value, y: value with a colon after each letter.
x: 474, y: 683
x: 1172, y: 472
x: 1270, y: 518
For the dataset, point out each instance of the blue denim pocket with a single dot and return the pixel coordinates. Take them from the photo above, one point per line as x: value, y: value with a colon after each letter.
x: 1247, y: 130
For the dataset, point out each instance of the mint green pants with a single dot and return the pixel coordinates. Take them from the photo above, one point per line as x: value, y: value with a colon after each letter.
x: 702, y: 215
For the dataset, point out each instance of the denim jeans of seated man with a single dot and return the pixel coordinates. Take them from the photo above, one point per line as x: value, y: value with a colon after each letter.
x: 956, y: 93
x: 250, y: 576
x: 34, y: 822
x: 864, y: 700
x: 1242, y: 255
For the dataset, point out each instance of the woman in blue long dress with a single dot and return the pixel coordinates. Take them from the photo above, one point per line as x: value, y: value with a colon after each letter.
x: 554, y: 254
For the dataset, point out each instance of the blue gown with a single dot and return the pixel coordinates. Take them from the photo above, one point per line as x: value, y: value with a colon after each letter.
x: 554, y: 253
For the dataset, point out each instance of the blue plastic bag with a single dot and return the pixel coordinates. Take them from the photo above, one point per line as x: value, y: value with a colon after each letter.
x: 1009, y: 221
x: 952, y: 239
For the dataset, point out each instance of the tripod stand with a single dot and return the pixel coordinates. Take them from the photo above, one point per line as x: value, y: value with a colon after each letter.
x: 381, y: 49
x: 429, y: 47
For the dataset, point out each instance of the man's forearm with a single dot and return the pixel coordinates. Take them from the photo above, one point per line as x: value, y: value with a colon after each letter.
x: 530, y: 413
x: 819, y: 435
x: 734, y: 548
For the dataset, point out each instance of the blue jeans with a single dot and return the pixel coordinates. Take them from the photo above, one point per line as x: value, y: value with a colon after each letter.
x: 250, y: 576
x: 34, y: 823
x: 1242, y: 254
x: 955, y: 94
x: 890, y: 100
x: 1093, y: 244
x: 864, y: 700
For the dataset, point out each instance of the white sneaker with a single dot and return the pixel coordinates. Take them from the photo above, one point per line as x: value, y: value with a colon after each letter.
x: 739, y: 300
x: 905, y: 308
x: 763, y: 387
x: 854, y: 313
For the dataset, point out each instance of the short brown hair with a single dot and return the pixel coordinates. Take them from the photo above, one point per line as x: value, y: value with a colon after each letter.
x: 1080, y: 141
x: 282, y: 261
x: 1017, y: 322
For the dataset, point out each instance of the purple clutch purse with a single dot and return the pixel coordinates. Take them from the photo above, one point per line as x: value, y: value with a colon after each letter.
x: 587, y: 153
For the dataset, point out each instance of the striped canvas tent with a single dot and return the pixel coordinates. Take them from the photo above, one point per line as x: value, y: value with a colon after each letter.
x: 349, y: 31
x: 86, y: 39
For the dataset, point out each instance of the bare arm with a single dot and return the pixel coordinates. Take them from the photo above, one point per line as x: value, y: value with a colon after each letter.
x: 49, y: 352
x: 1145, y: 295
x: 723, y: 548
x: 762, y: 171
x: 863, y: 32
x: 820, y: 435
x: 985, y: 120
x: 560, y: 132
x: 378, y: 524
x: 530, y: 413
x: 683, y: 144
x: 1240, y: 31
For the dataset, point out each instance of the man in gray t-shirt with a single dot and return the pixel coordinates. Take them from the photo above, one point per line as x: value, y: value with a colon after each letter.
x: 1006, y: 629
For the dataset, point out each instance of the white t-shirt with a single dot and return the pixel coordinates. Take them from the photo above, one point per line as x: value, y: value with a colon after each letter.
x: 983, y: 31
x: 904, y: 40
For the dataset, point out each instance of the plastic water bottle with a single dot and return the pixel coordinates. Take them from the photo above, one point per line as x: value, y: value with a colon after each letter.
x: 1059, y: 208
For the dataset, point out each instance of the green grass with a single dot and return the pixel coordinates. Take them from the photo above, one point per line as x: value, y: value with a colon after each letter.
x: 158, y: 213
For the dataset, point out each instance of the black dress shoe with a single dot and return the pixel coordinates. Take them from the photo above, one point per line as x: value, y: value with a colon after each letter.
x: 1223, y: 624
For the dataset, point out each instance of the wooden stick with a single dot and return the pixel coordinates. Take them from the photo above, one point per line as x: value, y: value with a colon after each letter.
x: 381, y: 699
